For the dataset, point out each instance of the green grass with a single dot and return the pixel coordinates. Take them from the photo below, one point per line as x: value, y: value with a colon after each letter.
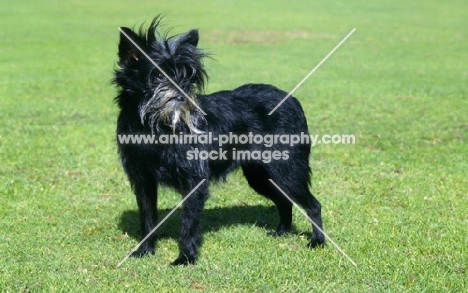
x: 395, y: 201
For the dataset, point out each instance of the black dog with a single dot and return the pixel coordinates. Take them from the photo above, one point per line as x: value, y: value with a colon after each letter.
x: 150, y: 104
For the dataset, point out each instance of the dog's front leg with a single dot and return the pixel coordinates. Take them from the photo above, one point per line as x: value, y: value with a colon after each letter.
x: 190, y: 234
x: 146, y: 195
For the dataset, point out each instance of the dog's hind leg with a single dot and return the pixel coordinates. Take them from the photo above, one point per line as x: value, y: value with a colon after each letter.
x: 313, y: 209
x: 298, y: 190
x: 190, y: 234
x: 258, y: 178
x: 296, y: 187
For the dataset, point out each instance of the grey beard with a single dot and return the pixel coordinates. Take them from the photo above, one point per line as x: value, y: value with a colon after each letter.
x: 162, y: 108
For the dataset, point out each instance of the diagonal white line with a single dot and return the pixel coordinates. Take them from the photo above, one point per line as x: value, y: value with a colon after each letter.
x: 162, y: 221
x: 162, y: 71
x: 313, y: 223
x: 312, y: 71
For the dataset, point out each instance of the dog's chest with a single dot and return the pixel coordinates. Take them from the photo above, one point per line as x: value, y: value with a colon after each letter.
x: 170, y: 163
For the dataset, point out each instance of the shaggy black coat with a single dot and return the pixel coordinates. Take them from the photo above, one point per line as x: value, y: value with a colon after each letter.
x: 150, y: 105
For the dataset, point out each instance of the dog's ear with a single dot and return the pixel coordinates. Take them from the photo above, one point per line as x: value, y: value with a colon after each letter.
x: 190, y: 37
x: 128, y: 50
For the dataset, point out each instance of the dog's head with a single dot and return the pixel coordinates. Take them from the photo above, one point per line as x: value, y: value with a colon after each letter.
x: 162, y: 74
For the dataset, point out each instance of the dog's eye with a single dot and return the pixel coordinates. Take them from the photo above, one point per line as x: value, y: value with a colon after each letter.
x: 160, y: 77
x: 157, y: 77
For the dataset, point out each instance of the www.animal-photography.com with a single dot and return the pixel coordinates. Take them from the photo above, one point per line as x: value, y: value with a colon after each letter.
x: 218, y: 146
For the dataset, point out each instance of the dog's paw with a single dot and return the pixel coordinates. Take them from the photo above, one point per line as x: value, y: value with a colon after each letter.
x: 316, y: 243
x: 183, y: 260
x: 142, y: 252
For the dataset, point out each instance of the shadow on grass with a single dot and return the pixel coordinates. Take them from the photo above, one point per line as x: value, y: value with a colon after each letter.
x: 213, y: 220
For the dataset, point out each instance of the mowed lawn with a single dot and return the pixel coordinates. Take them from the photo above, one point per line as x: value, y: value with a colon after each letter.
x: 395, y: 201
